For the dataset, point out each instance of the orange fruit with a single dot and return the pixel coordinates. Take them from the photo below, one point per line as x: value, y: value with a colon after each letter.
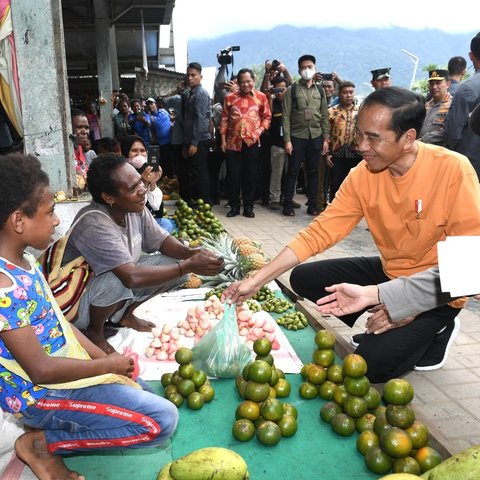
x: 267, y: 358
x: 243, y: 429
x: 282, y: 388
x: 323, y: 357
x: 380, y: 425
x: 396, y: 442
x: 290, y: 409
x: 401, y: 416
x: 176, y: 398
x: 262, y: 346
x: 195, y: 401
x: 326, y: 390
x: 373, y: 398
x: 245, y: 372
x: 280, y: 372
x: 340, y: 394
x: 355, y: 406
x: 316, y: 374
x: 377, y: 460
x: 259, y: 421
x: 169, y: 389
x: 241, y: 385
x: 357, y: 386
x: 288, y: 426
x: 259, y: 371
x: 325, y: 339
x: 406, y: 465
x: 307, y: 390
x: 257, y: 392
x: 366, y: 440
x: 186, y: 387
x: 343, y: 425
x: 199, y: 377
x: 176, y: 377
x: 398, y: 391
x: 365, y: 422
x: 272, y: 409
x: 166, y: 379
x: 207, y: 392
x: 183, y: 355
x: 304, y: 369
x: 186, y: 370
x: 329, y: 410
x: 248, y: 409
x: 273, y: 393
x: 427, y: 458
x: 335, y: 373
x: 419, y: 434
x: 354, y: 366
x: 268, y: 433
x: 274, y: 378
x: 380, y: 410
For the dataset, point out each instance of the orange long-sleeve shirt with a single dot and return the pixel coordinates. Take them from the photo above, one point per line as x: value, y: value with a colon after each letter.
x: 448, y: 188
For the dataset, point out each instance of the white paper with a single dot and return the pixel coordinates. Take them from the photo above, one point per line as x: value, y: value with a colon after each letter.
x: 459, y: 265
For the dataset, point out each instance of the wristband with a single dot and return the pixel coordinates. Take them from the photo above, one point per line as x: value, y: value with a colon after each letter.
x: 180, y: 268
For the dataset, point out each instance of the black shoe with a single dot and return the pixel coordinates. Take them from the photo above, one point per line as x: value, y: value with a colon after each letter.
x: 356, y: 339
x: 233, y: 212
x: 437, y: 353
x: 313, y: 212
x: 248, y: 212
x: 288, y: 212
x: 300, y: 190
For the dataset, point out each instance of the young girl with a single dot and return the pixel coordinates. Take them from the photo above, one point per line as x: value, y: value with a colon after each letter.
x: 71, y: 395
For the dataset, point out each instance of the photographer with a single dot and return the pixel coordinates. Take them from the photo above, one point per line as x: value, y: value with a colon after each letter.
x: 140, y: 122
x: 272, y: 70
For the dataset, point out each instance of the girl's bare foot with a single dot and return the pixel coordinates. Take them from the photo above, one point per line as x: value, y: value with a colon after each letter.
x: 99, y: 340
x: 31, y: 448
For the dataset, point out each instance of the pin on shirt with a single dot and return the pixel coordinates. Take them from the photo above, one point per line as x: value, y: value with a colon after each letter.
x: 418, y: 207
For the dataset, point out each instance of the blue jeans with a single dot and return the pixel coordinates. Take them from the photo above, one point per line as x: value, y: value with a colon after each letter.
x: 108, y: 416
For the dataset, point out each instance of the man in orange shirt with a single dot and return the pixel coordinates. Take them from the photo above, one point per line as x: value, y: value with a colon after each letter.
x: 412, y: 195
x: 245, y: 116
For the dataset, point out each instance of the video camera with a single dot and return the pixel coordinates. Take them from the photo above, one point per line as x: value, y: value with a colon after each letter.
x: 225, y: 56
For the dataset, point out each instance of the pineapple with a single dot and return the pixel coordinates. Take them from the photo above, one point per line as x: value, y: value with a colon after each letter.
x: 246, y: 249
x: 193, y: 282
x: 255, y: 261
x: 237, y: 241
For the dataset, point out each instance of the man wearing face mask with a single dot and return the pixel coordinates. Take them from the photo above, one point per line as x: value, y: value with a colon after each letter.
x: 306, y: 132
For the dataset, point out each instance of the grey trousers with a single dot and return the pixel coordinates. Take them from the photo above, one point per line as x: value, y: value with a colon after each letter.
x: 107, y: 289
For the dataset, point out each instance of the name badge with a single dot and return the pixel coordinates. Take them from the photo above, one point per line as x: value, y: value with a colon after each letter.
x: 307, y: 114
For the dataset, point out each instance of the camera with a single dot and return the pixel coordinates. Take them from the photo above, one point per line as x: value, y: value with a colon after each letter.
x: 326, y: 76
x: 225, y: 56
x: 275, y: 64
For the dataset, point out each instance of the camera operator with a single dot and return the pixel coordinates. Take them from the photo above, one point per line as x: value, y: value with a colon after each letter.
x: 278, y: 156
x: 274, y: 69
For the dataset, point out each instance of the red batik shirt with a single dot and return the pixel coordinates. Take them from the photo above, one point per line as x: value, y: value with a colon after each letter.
x: 244, y: 118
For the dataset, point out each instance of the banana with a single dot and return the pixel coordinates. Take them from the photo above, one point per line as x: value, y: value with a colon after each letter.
x: 212, y: 463
x: 464, y: 465
x: 164, y: 473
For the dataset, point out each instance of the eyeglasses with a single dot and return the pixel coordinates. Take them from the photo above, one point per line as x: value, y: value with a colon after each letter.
x: 371, y: 138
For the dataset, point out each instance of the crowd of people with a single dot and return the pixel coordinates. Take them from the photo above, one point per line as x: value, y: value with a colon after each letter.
x: 384, y: 161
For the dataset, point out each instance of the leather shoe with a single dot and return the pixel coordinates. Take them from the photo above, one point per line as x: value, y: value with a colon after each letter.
x: 248, y: 213
x: 312, y: 212
x: 233, y: 212
x: 288, y: 212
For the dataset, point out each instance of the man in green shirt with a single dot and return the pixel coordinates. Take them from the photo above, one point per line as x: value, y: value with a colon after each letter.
x: 306, y: 133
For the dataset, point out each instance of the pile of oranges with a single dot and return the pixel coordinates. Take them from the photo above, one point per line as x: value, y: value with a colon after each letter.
x: 262, y: 414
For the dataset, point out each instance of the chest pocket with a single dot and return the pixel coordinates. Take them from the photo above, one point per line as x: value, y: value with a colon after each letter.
x: 421, y: 235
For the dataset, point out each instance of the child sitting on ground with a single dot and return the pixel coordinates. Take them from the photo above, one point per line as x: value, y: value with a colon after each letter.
x: 72, y: 396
